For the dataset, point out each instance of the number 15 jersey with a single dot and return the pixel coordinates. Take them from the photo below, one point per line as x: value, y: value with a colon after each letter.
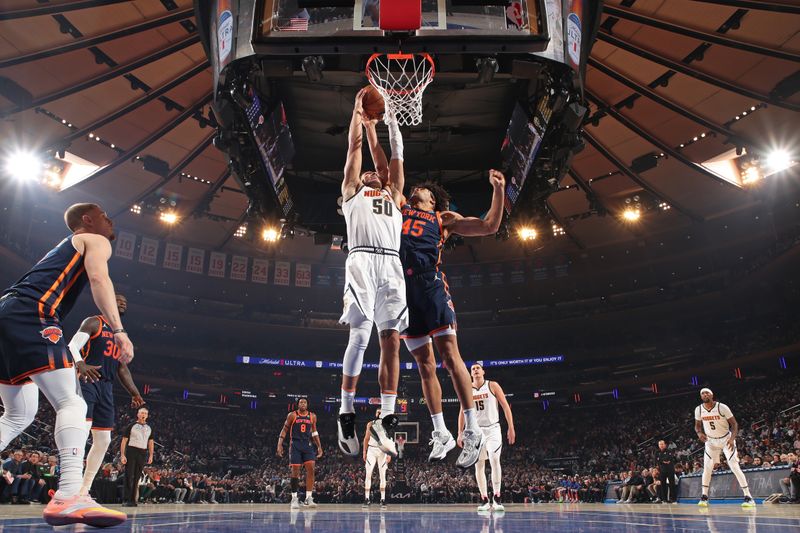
x: 485, y: 406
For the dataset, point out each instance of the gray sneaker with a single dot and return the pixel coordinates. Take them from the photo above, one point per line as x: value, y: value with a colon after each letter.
x: 381, y: 434
x: 348, y: 440
x: 473, y: 444
x: 442, y: 444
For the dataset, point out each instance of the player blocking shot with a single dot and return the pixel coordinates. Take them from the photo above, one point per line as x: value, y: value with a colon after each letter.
x: 34, y: 355
x: 487, y: 395
x: 716, y: 426
x: 373, y: 457
x: 301, y: 426
x: 97, y: 359
x: 374, y: 293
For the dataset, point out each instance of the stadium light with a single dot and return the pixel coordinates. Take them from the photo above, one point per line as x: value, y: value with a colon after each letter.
x: 169, y: 217
x: 631, y: 215
x: 24, y: 166
x: 241, y: 231
x: 526, y: 233
x: 778, y: 160
x: 270, y: 234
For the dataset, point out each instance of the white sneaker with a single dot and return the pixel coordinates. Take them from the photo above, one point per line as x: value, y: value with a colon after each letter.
x: 485, y: 507
x: 473, y: 441
x: 497, y: 506
x: 379, y: 432
x: 348, y: 440
x: 295, y: 503
x: 442, y: 444
x: 309, y: 502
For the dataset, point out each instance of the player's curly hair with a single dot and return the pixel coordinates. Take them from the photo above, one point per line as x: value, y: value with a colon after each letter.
x: 440, y: 195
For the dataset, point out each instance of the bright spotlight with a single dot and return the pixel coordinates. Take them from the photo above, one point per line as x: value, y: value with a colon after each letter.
x: 270, y: 234
x: 24, y: 166
x: 168, y: 217
x: 631, y: 215
x: 526, y: 234
x: 778, y: 160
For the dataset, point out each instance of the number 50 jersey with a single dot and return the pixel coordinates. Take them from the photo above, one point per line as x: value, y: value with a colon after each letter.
x: 373, y: 220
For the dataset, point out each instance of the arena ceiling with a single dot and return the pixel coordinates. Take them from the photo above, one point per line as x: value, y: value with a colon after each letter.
x: 110, y: 81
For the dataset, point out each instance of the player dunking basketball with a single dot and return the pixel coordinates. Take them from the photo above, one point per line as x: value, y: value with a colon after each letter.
x: 94, y: 345
x: 32, y: 349
x: 717, y: 428
x: 373, y: 456
x: 374, y: 290
x: 301, y: 425
x: 427, y: 224
x: 487, y: 395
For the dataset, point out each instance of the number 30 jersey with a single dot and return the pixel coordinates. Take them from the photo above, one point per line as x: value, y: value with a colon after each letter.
x: 485, y: 406
x: 373, y: 220
x: 102, y: 351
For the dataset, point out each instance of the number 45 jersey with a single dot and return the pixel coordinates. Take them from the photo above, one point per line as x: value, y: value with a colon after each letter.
x: 374, y: 286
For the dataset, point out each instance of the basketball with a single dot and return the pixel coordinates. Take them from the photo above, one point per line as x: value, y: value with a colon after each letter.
x: 373, y: 104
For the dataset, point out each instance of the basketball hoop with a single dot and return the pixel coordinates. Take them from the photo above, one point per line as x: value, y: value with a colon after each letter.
x: 401, y: 79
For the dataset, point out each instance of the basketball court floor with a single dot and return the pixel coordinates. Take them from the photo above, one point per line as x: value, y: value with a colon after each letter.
x: 518, y: 518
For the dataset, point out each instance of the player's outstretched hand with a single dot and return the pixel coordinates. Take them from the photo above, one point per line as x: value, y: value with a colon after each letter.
x: 137, y: 402
x: 512, y: 435
x: 280, y: 451
x: 88, y: 373
x: 497, y: 179
x: 125, y: 347
x: 358, y: 106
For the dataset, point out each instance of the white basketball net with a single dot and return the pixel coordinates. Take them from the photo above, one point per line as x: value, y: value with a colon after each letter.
x: 401, y: 79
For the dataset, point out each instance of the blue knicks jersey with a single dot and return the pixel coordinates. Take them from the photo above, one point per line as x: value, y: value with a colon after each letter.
x: 421, y: 241
x: 302, y: 428
x: 55, y: 281
x: 102, y: 351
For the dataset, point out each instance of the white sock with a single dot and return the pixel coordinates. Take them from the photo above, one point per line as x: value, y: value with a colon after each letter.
x: 387, y: 404
x: 383, y: 495
x: 438, y: 423
x: 348, y: 402
x: 470, y: 421
x: 294, y: 495
x: 94, y: 459
x: 308, y: 494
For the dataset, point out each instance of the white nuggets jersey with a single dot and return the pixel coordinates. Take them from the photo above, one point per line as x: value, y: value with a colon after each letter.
x: 715, y: 421
x: 373, y: 220
x: 485, y: 406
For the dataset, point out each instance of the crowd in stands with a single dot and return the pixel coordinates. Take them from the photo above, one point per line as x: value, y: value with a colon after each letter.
x: 564, y: 454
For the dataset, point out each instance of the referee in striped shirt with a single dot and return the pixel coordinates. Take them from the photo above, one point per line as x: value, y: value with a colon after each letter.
x: 136, y: 446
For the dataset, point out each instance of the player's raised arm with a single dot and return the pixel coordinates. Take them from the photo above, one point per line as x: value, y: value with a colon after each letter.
x: 397, y: 177
x: 497, y: 390
x: 89, y: 327
x: 376, y: 150
x: 315, y: 435
x: 474, y: 226
x: 96, y: 253
x: 352, y: 167
x: 284, y: 430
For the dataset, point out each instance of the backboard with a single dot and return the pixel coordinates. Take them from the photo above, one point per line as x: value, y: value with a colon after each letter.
x: 293, y: 25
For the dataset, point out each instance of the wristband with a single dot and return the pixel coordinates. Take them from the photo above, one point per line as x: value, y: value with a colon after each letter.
x: 119, y: 330
x: 315, y: 434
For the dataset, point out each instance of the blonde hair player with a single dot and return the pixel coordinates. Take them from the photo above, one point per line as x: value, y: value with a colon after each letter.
x: 717, y: 428
x: 375, y: 290
x: 487, y: 395
x: 373, y: 456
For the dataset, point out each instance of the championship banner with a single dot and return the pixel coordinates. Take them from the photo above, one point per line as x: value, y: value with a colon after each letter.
x: 517, y: 272
x: 260, y: 270
x: 282, y: 273
x: 497, y: 274
x: 539, y: 270
x: 339, y: 277
x: 561, y: 266
x: 216, y: 265
x: 322, y: 276
x: 302, y: 275
x: 173, y: 253
x: 239, y: 268
x: 125, y: 243
x: 195, y: 260
x: 148, y: 250
x: 476, y: 276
